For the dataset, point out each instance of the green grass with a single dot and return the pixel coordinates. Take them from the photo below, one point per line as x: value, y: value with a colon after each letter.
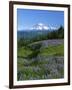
x: 37, y: 69
x: 50, y: 50
x: 34, y: 43
x: 27, y: 73
x: 53, y: 50
x: 23, y: 52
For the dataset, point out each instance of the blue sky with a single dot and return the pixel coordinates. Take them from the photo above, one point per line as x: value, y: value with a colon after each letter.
x: 26, y: 18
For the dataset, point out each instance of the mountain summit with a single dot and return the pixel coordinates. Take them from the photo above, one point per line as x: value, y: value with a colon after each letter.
x: 40, y: 26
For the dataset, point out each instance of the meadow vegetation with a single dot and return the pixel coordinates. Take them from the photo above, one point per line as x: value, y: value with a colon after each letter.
x: 37, y: 61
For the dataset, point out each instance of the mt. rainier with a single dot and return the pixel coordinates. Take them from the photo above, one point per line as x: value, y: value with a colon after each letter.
x: 41, y: 26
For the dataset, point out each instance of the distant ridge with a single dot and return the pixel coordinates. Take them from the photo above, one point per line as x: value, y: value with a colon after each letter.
x: 41, y: 26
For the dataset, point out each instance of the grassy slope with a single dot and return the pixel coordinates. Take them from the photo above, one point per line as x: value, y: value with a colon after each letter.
x: 53, y: 50
x: 50, y: 50
x: 23, y: 52
x: 28, y: 69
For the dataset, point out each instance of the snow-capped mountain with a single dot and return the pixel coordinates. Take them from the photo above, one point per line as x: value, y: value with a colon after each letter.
x: 41, y: 26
